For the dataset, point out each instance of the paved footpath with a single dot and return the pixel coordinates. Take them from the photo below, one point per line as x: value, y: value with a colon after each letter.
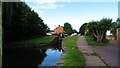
x: 90, y: 58
x: 109, y: 53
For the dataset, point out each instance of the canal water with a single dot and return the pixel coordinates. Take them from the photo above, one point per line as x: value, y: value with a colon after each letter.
x: 35, y: 57
x: 51, y: 58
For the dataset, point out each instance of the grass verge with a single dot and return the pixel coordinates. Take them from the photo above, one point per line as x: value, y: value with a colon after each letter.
x: 44, y: 39
x: 74, y: 57
x: 95, y: 43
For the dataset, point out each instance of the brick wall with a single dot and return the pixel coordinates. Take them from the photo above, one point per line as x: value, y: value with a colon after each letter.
x: 58, y: 30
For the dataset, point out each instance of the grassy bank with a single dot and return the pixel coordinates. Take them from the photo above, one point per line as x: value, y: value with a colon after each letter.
x: 44, y: 39
x: 95, y: 43
x: 74, y: 57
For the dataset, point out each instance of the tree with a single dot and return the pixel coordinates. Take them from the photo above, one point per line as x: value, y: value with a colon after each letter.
x: 21, y: 22
x: 6, y: 19
x: 68, y: 28
x: 118, y: 20
x: 99, y: 28
x: 113, y: 29
x: 64, y: 32
x: 75, y: 31
x: 82, y: 29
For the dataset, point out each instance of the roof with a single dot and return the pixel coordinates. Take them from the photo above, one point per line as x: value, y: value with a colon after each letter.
x: 58, y: 27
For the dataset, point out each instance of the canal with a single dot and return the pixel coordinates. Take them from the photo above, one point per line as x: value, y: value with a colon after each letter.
x: 31, y: 57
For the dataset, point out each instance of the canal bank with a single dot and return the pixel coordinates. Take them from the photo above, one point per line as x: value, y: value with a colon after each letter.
x: 60, y: 62
x: 29, y: 44
x: 71, y: 54
x: 33, y: 57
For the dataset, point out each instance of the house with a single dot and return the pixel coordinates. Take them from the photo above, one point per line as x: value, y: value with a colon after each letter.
x: 58, y: 30
x: 109, y: 35
x: 118, y: 32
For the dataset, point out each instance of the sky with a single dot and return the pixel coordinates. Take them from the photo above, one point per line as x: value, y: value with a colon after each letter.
x: 58, y: 12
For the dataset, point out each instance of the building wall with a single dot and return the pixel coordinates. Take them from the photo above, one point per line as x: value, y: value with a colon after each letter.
x: 118, y: 33
x: 58, y: 30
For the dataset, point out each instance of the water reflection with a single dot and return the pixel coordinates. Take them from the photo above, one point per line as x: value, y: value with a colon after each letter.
x: 31, y: 57
x: 25, y: 58
x: 53, y: 56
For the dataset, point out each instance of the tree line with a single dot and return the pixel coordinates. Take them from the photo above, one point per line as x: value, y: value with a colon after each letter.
x: 68, y: 28
x: 20, y: 22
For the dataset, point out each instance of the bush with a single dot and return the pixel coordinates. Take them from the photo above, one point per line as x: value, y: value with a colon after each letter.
x: 95, y: 43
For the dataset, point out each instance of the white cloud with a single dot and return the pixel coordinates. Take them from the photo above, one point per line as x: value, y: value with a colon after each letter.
x: 47, y: 1
x: 54, y: 1
x: 50, y: 6
x: 47, y: 4
x: 38, y: 5
x: 36, y: 9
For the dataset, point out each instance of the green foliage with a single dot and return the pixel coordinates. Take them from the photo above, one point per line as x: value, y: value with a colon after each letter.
x: 63, y: 32
x: 95, y: 43
x: 118, y: 20
x: 20, y: 22
x: 73, y: 54
x: 68, y: 28
x: 105, y: 24
x: 99, y: 28
x: 74, y: 31
x: 113, y: 29
x: 82, y: 29
x: 88, y: 33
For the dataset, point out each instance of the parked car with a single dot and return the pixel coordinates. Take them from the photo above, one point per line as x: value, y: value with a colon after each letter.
x: 74, y: 34
x: 65, y: 34
x: 49, y: 34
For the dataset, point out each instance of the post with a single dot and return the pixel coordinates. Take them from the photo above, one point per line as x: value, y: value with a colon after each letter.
x: 0, y: 33
x: 118, y: 33
x: 1, y: 27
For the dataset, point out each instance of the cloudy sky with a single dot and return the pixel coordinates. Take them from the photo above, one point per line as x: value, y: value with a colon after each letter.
x: 77, y: 12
